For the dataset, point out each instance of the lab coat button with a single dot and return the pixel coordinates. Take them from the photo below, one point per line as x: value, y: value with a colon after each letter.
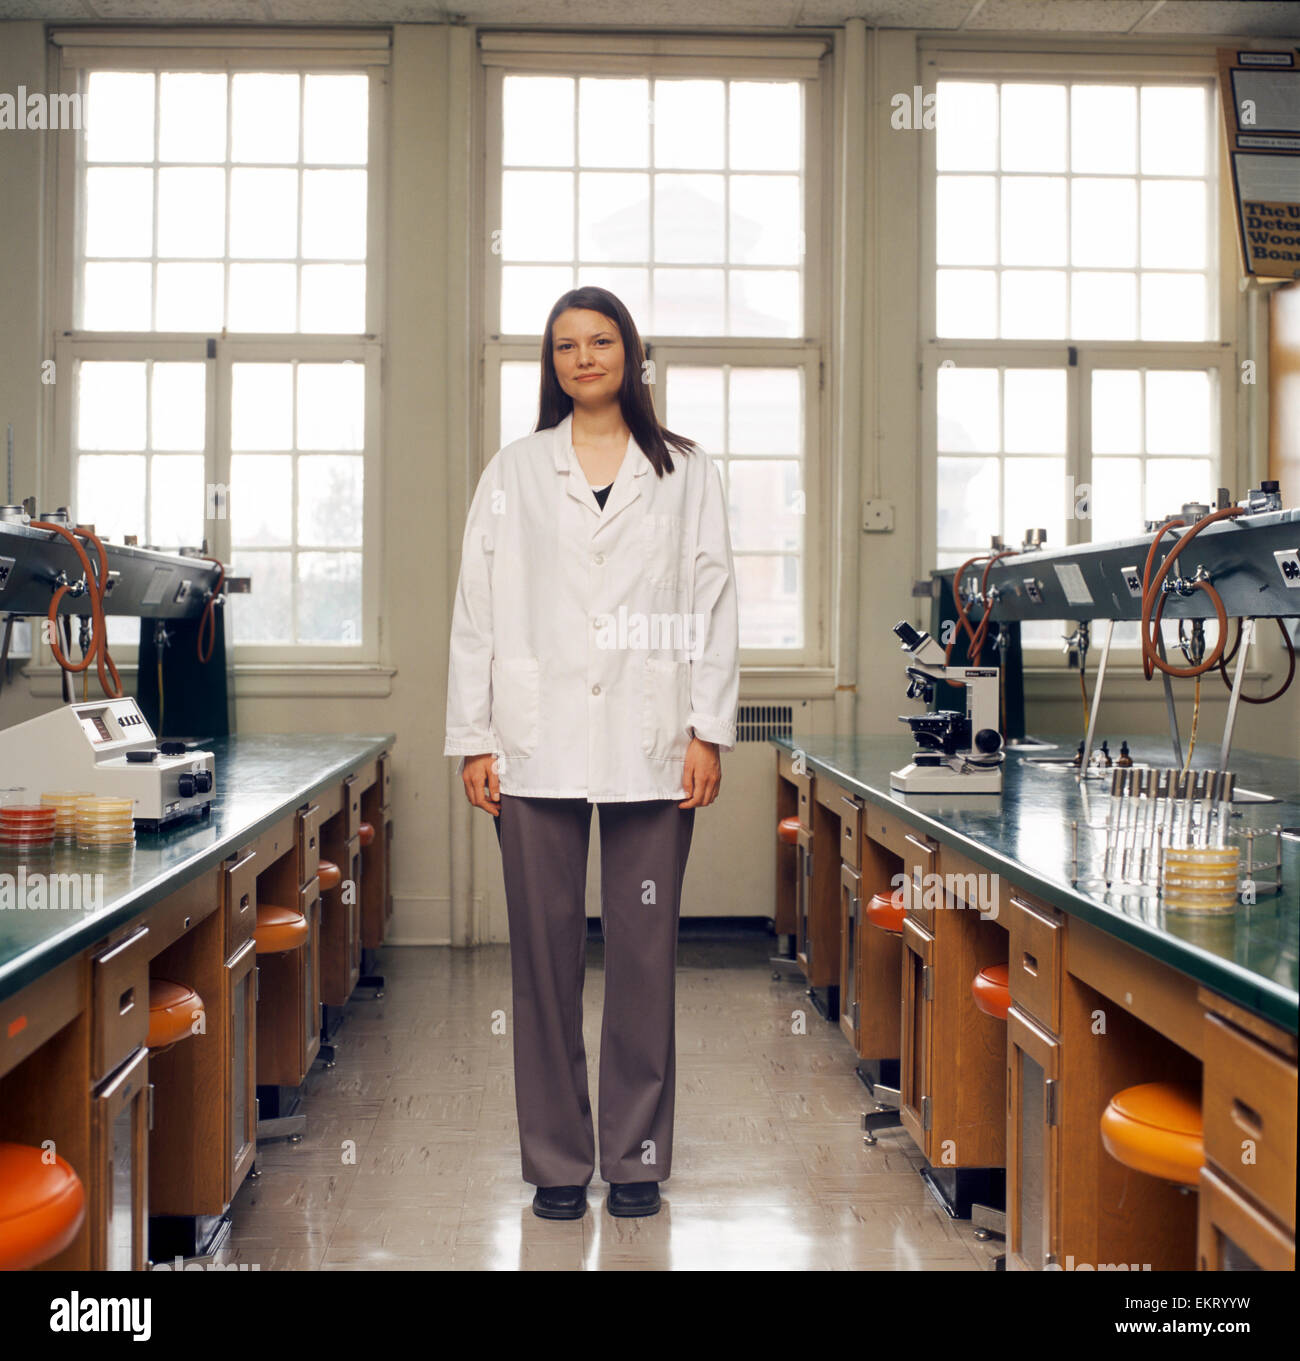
x: 595, y: 689
x: 600, y: 559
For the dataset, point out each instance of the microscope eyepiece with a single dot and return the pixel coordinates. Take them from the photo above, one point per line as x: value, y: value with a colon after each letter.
x: 911, y: 639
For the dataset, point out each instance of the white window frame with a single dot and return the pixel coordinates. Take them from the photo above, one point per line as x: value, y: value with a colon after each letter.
x: 943, y: 62
x: 231, y: 50
x: 805, y: 58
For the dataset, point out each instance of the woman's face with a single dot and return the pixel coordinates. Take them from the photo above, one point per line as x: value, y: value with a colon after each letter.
x: 588, y: 354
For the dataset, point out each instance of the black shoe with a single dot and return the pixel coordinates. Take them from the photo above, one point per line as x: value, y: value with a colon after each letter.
x: 630, y: 1198
x: 560, y: 1202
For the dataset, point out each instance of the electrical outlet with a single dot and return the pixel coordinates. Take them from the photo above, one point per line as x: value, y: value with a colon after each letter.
x: 1288, y: 563
x: 877, y: 516
x: 1133, y: 580
x: 1034, y: 590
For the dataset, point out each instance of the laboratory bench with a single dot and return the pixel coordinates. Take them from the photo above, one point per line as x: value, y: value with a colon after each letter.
x: 146, y: 1029
x: 997, y: 995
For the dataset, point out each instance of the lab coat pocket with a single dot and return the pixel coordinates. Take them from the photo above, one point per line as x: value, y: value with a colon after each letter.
x: 666, y: 708
x: 516, y: 704
x: 662, y: 548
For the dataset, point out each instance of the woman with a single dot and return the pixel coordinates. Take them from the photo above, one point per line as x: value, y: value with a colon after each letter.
x: 594, y: 659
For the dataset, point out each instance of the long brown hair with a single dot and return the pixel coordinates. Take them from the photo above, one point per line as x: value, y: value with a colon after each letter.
x: 554, y: 404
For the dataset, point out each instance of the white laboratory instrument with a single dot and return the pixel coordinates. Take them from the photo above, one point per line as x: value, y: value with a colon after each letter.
x: 106, y: 747
x: 957, y: 753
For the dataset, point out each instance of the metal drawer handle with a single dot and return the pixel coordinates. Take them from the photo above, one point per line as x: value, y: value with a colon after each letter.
x: 1247, y: 1118
x: 920, y: 845
x: 138, y: 934
x: 1030, y: 908
x: 1030, y: 964
x: 126, y: 1001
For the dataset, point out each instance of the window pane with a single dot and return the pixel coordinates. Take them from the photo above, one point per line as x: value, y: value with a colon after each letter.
x: 537, y: 120
x: 179, y: 406
x: 764, y: 303
x: 119, y: 116
x: 688, y: 302
x: 117, y: 297
x: 1116, y: 412
x: 334, y: 299
x: 192, y: 116
x: 688, y: 124
x: 1103, y: 306
x: 1103, y: 129
x: 263, y: 297
x: 329, y: 598
x: 263, y: 214
x: 689, y: 221
x: 336, y: 119
x: 261, y: 500
x: 966, y: 125
x: 189, y: 297
x: 632, y: 285
x: 966, y: 220
x: 765, y: 410
x: 766, y: 119
x: 1103, y: 222
x: 119, y: 212
x: 968, y: 411
x: 966, y: 302
x: 613, y: 122
x: 331, y: 406
x: 334, y: 214
x: 1033, y: 221
x: 1173, y: 224
x: 330, y: 493
x: 519, y: 388
x: 110, y: 494
x: 695, y: 403
x: 766, y: 503
x: 614, y: 216
x: 528, y: 293
x: 1033, y: 304
x: 1179, y: 413
x: 1034, y: 416
x: 537, y: 215
x: 770, y: 589
x: 1033, y: 127
x: 176, y: 500
x: 1116, y: 501
x: 261, y: 406
x: 1173, y: 130
x: 191, y: 213
x: 111, y: 406
x: 264, y: 117
x: 968, y: 500
x: 1172, y: 482
x: 266, y: 614
x: 1034, y: 498
x: 765, y: 220
x: 1173, y: 307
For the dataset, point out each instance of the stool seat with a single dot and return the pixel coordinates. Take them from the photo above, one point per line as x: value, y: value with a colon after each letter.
x: 1156, y: 1128
x: 885, y: 910
x: 42, y: 1205
x: 279, y: 928
x: 171, y: 1011
x: 991, y: 990
x: 787, y: 831
x: 366, y: 832
x: 330, y: 875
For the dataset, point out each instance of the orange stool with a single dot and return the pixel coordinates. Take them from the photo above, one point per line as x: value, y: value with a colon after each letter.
x: 367, y: 833
x: 330, y: 875
x: 1156, y: 1128
x: 171, y: 1012
x: 991, y: 989
x: 279, y: 929
x: 42, y: 1206
x: 787, y: 831
x: 885, y: 910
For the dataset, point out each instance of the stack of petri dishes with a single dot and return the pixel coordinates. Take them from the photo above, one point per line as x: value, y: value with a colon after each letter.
x: 1200, y: 878
x: 64, y: 803
x: 26, y: 827
x: 105, y: 823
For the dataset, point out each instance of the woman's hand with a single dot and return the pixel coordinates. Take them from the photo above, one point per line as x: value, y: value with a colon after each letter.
x: 482, y: 788
x: 702, y: 774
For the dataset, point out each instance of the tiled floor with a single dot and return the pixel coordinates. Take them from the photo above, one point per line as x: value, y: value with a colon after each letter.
x: 411, y: 1157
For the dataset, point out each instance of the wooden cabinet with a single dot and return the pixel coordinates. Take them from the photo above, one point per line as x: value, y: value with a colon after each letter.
x: 1033, y: 1143
x: 240, y: 1034
x: 340, y: 927
x: 1235, y: 1235
x: 120, y: 999
x: 119, y: 1179
x: 917, y: 1025
x: 803, y: 896
x: 850, y: 951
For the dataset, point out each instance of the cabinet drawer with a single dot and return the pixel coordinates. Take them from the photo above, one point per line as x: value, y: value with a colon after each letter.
x: 309, y: 820
x: 1234, y: 1236
x: 170, y: 919
x: 39, y: 1011
x: 886, y: 829
x: 385, y: 779
x: 1034, y: 959
x: 1248, y: 1104
x: 920, y: 893
x: 119, y: 975
x: 239, y: 899
x: 351, y: 807
x: 850, y: 811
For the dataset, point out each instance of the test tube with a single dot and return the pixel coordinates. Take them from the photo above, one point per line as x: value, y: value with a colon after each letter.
x: 1224, y: 782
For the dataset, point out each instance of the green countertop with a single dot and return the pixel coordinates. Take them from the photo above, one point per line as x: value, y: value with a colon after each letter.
x: 260, y: 777
x: 1250, y: 955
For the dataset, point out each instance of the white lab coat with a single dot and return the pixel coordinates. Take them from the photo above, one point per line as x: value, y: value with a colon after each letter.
x: 588, y: 645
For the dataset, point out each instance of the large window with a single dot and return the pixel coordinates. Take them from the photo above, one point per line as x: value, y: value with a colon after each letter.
x: 1076, y: 379
x: 217, y: 376
x: 692, y: 196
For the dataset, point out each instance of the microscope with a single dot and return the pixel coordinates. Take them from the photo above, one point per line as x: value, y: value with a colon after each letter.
x: 956, y: 753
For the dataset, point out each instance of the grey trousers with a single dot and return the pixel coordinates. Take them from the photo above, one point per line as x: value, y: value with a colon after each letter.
x: 643, y: 850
